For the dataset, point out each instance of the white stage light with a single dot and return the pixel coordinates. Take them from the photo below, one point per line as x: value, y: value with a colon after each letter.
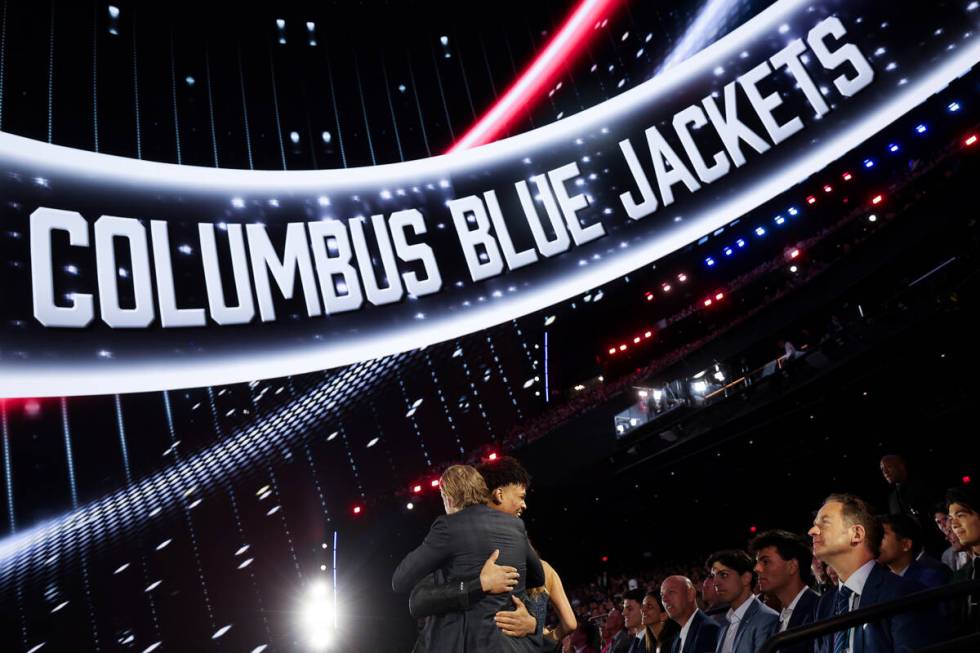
x: 318, y: 618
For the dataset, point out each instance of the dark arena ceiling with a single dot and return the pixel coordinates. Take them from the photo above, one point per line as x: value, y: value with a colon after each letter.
x: 195, y: 518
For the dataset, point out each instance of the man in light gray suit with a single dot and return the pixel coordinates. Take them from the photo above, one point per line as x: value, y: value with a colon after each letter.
x: 750, y: 623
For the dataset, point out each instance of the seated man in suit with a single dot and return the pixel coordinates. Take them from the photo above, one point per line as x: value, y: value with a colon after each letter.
x: 847, y: 536
x: 713, y: 606
x: 615, y: 637
x: 699, y: 634
x: 633, y: 619
x: 750, y: 623
x: 784, y: 563
x: 457, y: 546
x: 964, y: 520
x: 901, y: 551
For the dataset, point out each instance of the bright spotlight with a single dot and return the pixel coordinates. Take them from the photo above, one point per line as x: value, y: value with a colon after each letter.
x: 318, y: 618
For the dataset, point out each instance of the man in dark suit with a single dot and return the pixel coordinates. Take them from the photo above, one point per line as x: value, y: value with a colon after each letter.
x: 964, y: 519
x: 699, y: 634
x: 908, y: 496
x: 750, y: 622
x: 457, y: 545
x: 434, y: 595
x: 633, y: 619
x: 901, y: 551
x: 784, y: 563
x: 847, y: 536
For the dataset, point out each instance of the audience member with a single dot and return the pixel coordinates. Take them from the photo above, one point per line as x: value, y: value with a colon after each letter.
x: 698, y: 633
x: 615, y: 638
x: 847, y: 536
x: 714, y: 607
x: 821, y: 575
x: 783, y: 561
x: 750, y: 623
x: 902, y: 552
x: 954, y: 557
x: 907, y: 496
x: 660, y: 630
x: 964, y: 520
x: 582, y: 639
x: 633, y: 617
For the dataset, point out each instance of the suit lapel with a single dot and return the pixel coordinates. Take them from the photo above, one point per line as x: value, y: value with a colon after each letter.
x: 744, y: 622
x: 692, y: 634
x: 869, y: 596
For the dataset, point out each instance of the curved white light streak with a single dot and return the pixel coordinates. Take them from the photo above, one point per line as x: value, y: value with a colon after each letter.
x: 206, y: 470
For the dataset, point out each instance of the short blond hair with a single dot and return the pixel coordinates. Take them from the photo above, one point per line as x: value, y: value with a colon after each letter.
x: 463, y: 486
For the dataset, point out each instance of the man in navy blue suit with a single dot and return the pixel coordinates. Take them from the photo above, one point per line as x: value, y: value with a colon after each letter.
x: 901, y: 551
x: 749, y: 622
x: 847, y: 536
x: 699, y: 634
x: 784, y: 563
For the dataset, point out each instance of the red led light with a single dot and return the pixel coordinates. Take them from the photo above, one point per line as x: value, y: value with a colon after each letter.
x: 648, y: 334
x: 707, y: 302
x: 682, y: 278
x: 435, y: 482
x: 720, y: 296
x: 636, y: 340
x: 794, y: 254
x: 811, y: 200
x: 612, y: 350
x: 416, y: 489
x: 846, y: 176
x: 605, y: 558
x: 753, y: 529
x: 649, y: 296
x: 357, y: 510
x: 966, y: 480
x: 666, y: 287
x: 622, y: 348
x: 877, y: 199
x: 827, y: 188
x: 970, y: 140
x: 493, y: 456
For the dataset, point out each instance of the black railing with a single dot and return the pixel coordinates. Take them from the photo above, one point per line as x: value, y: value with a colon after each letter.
x: 871, y: 613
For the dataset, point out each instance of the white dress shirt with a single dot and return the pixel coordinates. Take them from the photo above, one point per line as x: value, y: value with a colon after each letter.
x: 734, y: 619
x: 787, y: 612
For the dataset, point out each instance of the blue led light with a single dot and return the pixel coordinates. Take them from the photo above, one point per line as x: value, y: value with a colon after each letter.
x: 779, y: 219
x: 953, y: 107
x: 759, y: 231
x: 893, y: 147
x: 740, y: 242
x: 709, y: 261
x: 920, y: 129
x: 792, y: 210
x: 869, y: 163
x: 728, y: 251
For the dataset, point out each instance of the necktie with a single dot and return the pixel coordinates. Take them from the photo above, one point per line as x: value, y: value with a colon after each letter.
x: 842, y: 605
x: 637, y: 645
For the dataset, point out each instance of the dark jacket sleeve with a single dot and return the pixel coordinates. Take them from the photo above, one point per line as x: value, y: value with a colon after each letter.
x: 430, y: 598
x: 424, y: 560
x: 919, y: 628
